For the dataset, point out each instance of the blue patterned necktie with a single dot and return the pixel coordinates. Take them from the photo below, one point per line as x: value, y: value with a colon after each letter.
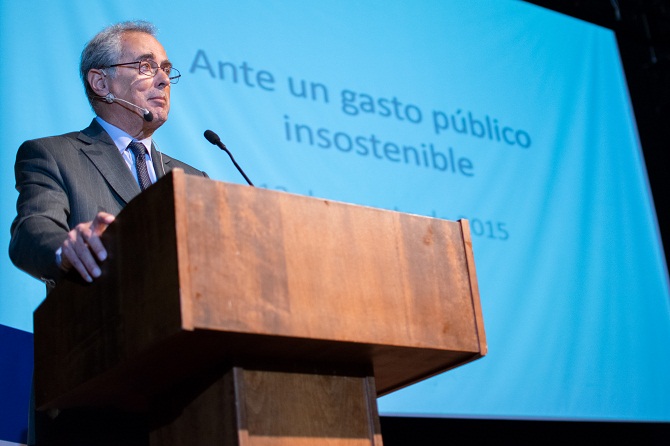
x: 140, y: 152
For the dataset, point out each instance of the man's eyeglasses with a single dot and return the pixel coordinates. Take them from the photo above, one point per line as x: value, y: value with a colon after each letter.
x: 150, y: 68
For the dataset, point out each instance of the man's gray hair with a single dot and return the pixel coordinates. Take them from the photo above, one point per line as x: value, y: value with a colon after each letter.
x: 105, y: 49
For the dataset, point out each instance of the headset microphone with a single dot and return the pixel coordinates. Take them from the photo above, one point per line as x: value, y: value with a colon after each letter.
x: 148, y: 116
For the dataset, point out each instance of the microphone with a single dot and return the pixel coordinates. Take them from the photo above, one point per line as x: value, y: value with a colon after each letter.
x: 148, y: 116
x: 214, y: 139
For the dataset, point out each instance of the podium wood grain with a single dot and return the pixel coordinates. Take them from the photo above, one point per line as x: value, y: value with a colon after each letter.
x: 205, y: 274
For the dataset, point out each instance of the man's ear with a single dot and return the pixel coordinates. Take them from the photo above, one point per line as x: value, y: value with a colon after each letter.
x: 97, y: 79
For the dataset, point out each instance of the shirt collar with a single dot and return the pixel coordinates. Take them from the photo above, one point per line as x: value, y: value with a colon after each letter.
x: 122, y: 139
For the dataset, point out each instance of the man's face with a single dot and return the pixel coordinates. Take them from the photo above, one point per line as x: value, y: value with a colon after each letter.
x: 152, y: 93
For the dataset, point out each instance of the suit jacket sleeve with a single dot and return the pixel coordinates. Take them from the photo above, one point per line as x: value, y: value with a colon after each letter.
x: 43, y: 207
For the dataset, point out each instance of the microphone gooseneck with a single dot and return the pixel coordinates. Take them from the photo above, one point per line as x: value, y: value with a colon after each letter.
x: 215, y: 140
x: 109, y: 98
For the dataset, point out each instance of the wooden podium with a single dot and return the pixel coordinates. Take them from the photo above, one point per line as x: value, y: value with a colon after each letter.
x: 243, y: 316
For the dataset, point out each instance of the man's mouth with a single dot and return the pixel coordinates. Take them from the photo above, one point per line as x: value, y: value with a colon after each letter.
x: 160, y: 99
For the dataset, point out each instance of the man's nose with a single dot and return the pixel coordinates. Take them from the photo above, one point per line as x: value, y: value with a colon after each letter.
x: 162, y: 79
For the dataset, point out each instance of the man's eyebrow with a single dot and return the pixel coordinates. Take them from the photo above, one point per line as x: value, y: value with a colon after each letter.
x: 151, y: 56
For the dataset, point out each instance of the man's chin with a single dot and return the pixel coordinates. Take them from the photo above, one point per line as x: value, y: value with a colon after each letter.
x: 159, y: 117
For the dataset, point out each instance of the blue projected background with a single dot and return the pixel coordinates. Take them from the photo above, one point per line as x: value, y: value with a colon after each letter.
x: 501, y: 112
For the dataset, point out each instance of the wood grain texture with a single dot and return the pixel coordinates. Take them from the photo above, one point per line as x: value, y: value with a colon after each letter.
x: 294, y: 266
x: 260, y: 408
x: 235, y: 275
x: 292, y: 408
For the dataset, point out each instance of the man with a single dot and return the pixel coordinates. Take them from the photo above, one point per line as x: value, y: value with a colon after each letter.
x: 71, y: 186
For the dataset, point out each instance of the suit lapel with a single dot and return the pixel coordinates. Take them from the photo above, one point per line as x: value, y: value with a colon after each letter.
x: 160, y: 162
x: 103, y: 153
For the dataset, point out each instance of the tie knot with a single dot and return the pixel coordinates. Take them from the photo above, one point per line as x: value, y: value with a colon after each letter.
x: 137, y: 148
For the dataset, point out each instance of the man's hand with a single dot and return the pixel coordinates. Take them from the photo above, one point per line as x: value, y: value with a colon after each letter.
x: 82, y: 249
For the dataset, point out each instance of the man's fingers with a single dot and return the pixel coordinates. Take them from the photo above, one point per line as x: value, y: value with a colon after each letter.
x: 83, y: 254
x: 77, y: 256
x: 100, y: 222
x: 83, y: 248
x: 95, y: 245
x: 98, y: 226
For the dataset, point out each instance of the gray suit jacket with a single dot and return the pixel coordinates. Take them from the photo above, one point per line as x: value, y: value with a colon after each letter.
x: 63, y: 181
